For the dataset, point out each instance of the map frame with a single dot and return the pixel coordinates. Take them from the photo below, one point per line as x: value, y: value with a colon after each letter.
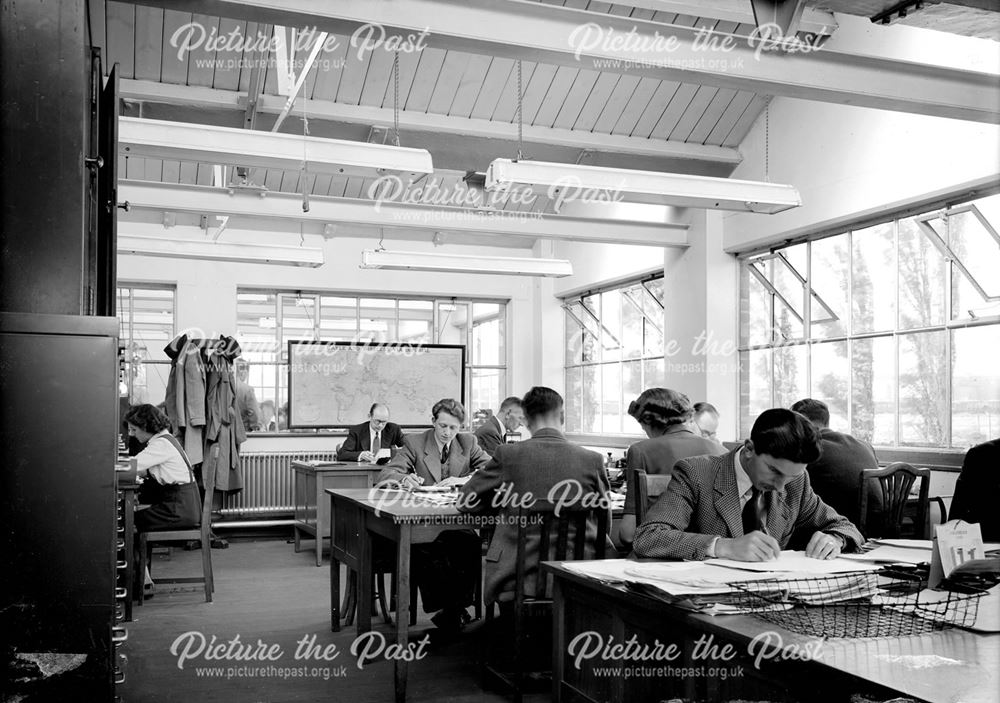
x: 368, y: 348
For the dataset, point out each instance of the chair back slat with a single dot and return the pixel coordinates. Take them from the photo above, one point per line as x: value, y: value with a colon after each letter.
x: 649, y: 488
x: 895, y: 483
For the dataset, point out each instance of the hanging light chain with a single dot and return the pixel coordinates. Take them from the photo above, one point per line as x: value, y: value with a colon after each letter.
x: 767, y: 142
x: 395, y: 98
x: 520, y: 114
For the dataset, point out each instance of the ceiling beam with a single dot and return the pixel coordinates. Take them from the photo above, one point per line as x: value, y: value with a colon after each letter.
x: 213, y: 99
x: 143, y: 195
x: 813, y: 21
x: 566, y: 37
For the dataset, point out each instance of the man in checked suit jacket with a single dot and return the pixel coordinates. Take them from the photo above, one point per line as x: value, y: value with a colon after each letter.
x: 701, y: 514
x: 445, y: 570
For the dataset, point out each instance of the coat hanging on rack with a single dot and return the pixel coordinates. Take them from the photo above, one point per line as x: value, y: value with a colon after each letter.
x: 201, y: 402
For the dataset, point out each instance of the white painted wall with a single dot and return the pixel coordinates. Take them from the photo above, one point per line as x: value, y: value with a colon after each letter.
x: 850, y: 162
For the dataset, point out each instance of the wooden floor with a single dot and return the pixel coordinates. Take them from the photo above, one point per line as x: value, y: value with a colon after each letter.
x: 266, y: 592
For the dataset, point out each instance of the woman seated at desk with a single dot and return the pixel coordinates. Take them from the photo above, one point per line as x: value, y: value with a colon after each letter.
x: 168, y: 488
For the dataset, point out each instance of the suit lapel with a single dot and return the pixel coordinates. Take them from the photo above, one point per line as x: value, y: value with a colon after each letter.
x: 432, y: 460
x: 727, y: 503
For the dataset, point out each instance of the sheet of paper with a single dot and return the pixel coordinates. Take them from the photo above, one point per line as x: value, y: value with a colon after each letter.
x: 453, y: 481
x: 893, y: 555
x: 383, y: 453
x: 797, y: 562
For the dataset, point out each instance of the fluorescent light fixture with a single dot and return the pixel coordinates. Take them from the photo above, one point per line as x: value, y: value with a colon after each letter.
x: 198, y: 249
x: 459, y: 263
x: 183, y: 141
x: 575, y: 183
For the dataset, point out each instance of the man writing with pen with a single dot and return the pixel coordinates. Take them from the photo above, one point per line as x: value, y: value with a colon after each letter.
x: 748, y: 504
x: 446, y: 569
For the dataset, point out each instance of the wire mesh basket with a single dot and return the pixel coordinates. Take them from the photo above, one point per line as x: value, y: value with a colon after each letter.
x: 887, y: 603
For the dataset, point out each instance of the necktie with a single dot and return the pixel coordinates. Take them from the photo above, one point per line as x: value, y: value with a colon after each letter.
x: 444, y: 455
x: 377, y: 443
x: 753, y: 512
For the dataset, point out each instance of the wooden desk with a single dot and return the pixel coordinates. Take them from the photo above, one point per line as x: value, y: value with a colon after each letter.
x: 953, y: 666
x: 311, y: 514
x: 355, y: 516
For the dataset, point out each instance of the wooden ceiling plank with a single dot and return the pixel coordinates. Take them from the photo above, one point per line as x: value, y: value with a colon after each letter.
x: 477, y: 69
x: 338, y: 185
x: 644, y: 91
x: 272, y: 178
x: 378, y: 81
x: 536, y: 91
x: 328, y: 79
x: 492, y: 88
x: 555, y: 97
x: 409, y: 62
x: 121, y: 41
x: 713, y: 113
x: 149, y: 42
x: 424, y: 80
x: 200, y: 61
x: 506, y: 109
x: 188, y: 173
x: 655, y: 108
x: 171, y: 171
x: 321, y: 184
x: 448, y: 81
x: 579, y: 92
x: 173, y: 69
x: 353, y: 79
x: 746, y: 120
x: 692, y: 114
x: 354, y: 186
x: 615, y: 104
x: 728, y: 118
x: 228, y: 64
x: 597, y: 101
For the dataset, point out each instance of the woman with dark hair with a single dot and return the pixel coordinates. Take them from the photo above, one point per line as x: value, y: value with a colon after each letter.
x: 169, y: 486
x: 663, y: 415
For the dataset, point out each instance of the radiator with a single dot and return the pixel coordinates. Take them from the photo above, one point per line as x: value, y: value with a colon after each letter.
x: 268, y: 490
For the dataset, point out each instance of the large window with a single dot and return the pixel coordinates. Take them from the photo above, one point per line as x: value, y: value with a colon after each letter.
x: 268, y: 320
x: 895, y: 326
x: 614, y: 349
x: 146, y: 326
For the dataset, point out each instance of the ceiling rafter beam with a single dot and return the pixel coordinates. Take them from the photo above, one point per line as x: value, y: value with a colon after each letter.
x: 580, y: 39
x: 813, y: 21
x: 143, y: 195
x: 213, y: 99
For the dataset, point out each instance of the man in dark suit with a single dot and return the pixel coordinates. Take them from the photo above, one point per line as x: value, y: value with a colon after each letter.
x: 378, y: 432
x: 544, y: 466
x: 977, y: 489
x: 445, y: 570
x: 509, y: 417
x: 748, y: 504
x: 836, y: 475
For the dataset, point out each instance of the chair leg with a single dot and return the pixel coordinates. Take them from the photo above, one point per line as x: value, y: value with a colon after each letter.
x: 206, y: 567
x: 350, y: 599
x: 380, y: 592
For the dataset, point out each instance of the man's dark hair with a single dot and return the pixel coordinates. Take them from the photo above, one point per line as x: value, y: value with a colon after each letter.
x: 815, y: 410
x: 785, y: 434
x: 541, y: 401
x: 371, y: 410
x: 147, y: 418
x: 450, y: 406
x: 703, y: 407
x: 511, y: 402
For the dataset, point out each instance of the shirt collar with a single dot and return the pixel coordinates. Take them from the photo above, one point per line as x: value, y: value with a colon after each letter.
x: 743, y: 483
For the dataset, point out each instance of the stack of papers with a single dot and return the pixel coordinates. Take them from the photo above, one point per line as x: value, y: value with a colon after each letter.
x: 794, y: 562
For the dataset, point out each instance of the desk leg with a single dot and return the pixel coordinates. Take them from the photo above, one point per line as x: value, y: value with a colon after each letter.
x: 402, y: 607
x: 334, y: 582
x: 319, y: 523
x: 365, y: 577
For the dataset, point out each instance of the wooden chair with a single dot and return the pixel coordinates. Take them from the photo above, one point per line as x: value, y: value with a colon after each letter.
x: 562, y: 538
x: 895, y: 481
x: 649, y: 487
x: 202, y: 534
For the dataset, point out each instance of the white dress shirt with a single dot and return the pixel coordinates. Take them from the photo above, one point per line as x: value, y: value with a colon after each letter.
x: 163, y: 461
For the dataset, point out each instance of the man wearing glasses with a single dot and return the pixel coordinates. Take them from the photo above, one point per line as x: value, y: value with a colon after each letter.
x: 365, y: 440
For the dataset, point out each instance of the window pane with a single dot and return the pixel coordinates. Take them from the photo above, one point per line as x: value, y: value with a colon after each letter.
x: 378, y: 320
x: 487, y: 334
x: 632, y: 322
x: 921, y: 279
x: 757, y: 367
x: 338, y: 319
x: 611, y: 324
x: 788, y: 270
x: 874, y: 293
x: 297, y: 318
x: 923, y: 389
x: 975, y: 403
x: 653, y: 340
x: 257, y: 325
x: 591, y: 400
x: 873, y: 405
x: 759, y: 307
x: 829, y: 380
x: 974, y: 246
x: 574, y: 418
x: 631, y: 388
x: 574, y: 340
x: 652, y: 371
x: 150, y: 383
x: 453, y: 319
x: 830, y: 273
x: 611, y: 405
x: 487, y: 390
x: 790, y: 375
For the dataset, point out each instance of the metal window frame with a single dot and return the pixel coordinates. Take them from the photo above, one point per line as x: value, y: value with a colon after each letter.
x: 131, y: 287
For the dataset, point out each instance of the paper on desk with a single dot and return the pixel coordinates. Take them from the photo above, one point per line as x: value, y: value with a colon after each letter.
x: 798, y: 562
x: 383, y: 453
x: 453, y: 481
x: 892, y: 555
